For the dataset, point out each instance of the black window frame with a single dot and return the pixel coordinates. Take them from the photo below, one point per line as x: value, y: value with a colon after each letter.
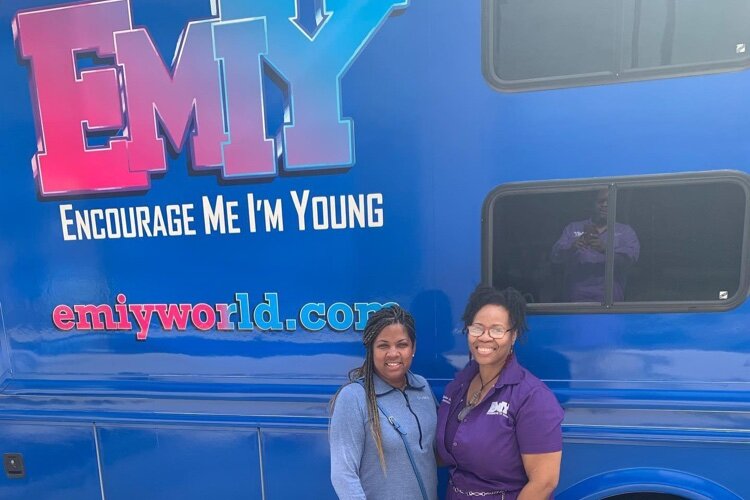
x: 588, y: 79
x: 613, y: 183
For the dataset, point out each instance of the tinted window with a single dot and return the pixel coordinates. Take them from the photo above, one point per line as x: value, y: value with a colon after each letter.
x: 623, y: 244
x: 531, y: 44
x: 539, y: 38
x: 533, y: 237
x: 684, y: 32
x: 691, y: 240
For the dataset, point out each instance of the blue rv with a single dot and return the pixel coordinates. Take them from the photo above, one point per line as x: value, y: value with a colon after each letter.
x: 202, y: 201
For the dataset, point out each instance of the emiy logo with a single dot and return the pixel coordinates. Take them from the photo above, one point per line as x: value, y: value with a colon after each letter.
x: 499, y: 408
x: 212, y: 94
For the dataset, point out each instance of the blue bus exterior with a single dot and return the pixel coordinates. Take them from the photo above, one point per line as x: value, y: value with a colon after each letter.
x: 202, y: 201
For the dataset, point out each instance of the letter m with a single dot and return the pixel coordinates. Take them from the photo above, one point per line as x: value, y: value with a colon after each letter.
x: 184, y: 98
x: 95, y: 317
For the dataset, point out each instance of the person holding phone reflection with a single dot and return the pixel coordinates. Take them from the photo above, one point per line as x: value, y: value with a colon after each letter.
x: 582, y: 250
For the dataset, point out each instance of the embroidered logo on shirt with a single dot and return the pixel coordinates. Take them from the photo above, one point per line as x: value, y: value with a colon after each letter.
x: 446, y: 400
x: 498, y: 408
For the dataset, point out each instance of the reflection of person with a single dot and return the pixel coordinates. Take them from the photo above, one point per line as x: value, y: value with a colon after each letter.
x: 369, y: 457
x: 582, y: 250
x: 498, y: 425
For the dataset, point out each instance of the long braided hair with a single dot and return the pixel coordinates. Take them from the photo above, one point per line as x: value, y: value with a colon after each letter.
x: 387, y: 316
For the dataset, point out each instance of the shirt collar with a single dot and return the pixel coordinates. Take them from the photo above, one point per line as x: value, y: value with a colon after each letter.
x: 512, y: 372
x: 591, y: 221
x: 383, y: 387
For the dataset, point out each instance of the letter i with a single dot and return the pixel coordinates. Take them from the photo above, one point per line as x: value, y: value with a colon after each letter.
x: 122, y: 313
x: 251, y: 211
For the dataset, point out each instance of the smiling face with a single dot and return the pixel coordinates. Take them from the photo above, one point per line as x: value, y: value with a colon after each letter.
x: 484, y: 349
x: 393, y: 351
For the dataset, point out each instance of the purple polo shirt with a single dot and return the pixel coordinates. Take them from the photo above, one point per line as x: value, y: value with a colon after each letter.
x: 584, y: 268
x: 519, y: 415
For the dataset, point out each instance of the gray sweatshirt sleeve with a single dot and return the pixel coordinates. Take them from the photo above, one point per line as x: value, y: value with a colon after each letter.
x: 347, y: 438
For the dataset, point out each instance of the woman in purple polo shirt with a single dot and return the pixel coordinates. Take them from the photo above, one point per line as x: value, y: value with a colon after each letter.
x: 498, y: 425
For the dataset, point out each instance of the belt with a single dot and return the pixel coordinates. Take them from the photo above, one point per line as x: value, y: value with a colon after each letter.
x: 478, y: 493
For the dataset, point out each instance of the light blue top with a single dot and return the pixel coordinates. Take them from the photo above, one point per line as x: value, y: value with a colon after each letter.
x: 355, y: 468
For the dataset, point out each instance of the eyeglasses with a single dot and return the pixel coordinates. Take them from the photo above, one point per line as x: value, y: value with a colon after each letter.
x: 496, y: 332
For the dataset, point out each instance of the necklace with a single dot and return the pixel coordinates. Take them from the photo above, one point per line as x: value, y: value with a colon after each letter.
x: 474, y: 400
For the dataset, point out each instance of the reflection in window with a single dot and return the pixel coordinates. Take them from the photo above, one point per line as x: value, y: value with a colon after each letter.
x: 672, y: 241
x: 544, y: 245
x: 581, y: 251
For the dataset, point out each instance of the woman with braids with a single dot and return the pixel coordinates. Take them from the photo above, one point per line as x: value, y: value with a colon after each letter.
x: 498, y: 425
x: 383, y: 420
